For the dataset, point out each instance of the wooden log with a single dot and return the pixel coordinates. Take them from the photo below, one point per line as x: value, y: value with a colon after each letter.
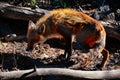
x: 112, y: 74
x: 111, y: 30
x: 20, y: 13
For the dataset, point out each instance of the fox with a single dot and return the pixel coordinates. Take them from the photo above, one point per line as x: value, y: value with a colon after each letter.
x: 66, y: 24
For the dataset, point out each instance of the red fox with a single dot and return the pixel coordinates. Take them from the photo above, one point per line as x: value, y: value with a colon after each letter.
x: 66, y: 24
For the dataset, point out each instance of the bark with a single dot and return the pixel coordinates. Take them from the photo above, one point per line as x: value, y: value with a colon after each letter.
x: 111, y: 29
x: 113, y: 74
x: 21, y: 13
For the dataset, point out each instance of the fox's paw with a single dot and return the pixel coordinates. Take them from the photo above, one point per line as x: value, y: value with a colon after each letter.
x: 99, y: 67
x: 62, y: 57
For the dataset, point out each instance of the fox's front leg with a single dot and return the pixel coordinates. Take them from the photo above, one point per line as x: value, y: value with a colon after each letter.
x: 67, y: 34
x: 68, y: 48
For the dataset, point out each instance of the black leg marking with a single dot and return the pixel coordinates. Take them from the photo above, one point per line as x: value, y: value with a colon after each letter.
x: 67, y: 33
x: 68, y: 49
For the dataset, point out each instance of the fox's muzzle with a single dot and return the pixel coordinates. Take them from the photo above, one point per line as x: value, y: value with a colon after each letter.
x: 29, y: 48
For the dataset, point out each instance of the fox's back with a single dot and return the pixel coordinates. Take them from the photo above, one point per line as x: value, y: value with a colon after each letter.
x: 72, y: 18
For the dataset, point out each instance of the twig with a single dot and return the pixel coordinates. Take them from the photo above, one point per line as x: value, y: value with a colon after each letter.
x: 103, y: 3
x: 79, y: 6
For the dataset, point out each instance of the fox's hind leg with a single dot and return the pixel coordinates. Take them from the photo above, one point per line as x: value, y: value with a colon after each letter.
x: 105, y: 54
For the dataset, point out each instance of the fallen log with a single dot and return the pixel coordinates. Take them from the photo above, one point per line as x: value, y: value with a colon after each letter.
x: 20, y: 13
x: 113, y: 74
x: 111, y: 30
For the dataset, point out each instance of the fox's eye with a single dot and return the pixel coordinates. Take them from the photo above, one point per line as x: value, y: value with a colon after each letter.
x: 41, y: 29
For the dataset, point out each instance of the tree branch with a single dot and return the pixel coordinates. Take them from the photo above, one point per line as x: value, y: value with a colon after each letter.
x: 61, y: 71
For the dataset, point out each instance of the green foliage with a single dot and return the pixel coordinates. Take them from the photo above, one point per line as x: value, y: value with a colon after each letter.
x: 33, y: 2
x: 62, y: 3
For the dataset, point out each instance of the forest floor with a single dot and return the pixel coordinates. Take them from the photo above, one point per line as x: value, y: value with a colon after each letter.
x: 14, y: 54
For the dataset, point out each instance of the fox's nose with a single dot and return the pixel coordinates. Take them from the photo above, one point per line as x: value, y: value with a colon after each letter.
x: 29, y: 48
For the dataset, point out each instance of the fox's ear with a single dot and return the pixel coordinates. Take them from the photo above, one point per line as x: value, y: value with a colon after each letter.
x: 31, y: 25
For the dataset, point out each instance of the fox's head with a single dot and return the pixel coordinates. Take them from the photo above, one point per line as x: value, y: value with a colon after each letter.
x: 34, y: 34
